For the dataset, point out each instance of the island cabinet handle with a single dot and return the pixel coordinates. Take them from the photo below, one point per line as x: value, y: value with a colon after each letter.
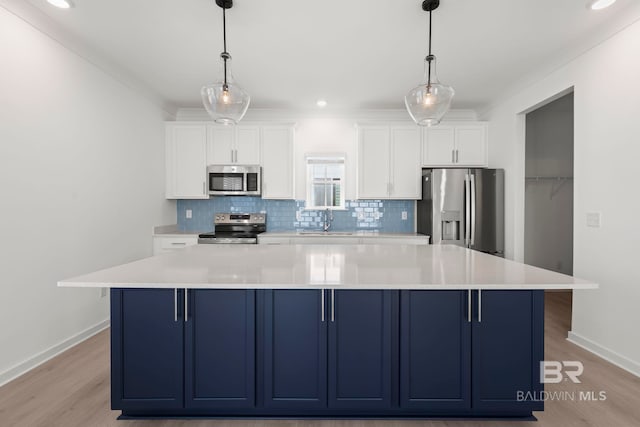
x: 175, y: 304
x: 469, y: 306
x: 186, y: 305
x: 322, y: 305
x: 333, y: 305
x: 479, y: 306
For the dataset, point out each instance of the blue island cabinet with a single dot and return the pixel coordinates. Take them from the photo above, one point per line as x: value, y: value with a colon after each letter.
x: 508, y: 346
x: 435, y: 351
x: 328, y: 351
x: 471, y: 352
x: 171, y: 357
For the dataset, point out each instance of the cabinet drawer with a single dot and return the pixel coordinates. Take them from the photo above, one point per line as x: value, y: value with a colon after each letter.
x: 169, y: 244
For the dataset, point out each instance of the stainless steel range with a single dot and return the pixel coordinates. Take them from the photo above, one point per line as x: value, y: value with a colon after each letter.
x: 235, y: 228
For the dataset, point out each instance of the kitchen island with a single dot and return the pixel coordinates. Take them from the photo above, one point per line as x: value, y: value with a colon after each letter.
x: 326, y: 331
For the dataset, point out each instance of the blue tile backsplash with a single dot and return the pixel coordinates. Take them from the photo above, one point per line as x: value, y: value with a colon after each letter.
x: 290, y: 215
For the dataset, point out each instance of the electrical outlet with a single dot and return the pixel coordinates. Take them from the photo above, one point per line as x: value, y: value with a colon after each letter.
x: 298, y: 216
x: 189, y: 214
x: 404, y: 215
x: 103, y: 292
x: 593, y: 219
x: 360, y: 216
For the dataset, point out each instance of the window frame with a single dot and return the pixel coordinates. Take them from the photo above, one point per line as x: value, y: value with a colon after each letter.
x: 328, y: 159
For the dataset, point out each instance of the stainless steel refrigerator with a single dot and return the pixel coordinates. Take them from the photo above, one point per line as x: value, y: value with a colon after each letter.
x: 463, y: 207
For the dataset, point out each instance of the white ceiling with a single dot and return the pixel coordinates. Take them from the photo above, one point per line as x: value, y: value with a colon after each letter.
x: 358, y: 54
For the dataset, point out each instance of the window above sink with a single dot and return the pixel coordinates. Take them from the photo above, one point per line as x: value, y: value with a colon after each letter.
x: 325, y: 182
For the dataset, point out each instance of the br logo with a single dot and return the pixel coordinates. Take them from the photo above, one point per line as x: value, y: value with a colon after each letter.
x: 552, y: 371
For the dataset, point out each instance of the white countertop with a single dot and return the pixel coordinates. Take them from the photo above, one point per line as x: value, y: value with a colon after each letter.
x: 426, y: 267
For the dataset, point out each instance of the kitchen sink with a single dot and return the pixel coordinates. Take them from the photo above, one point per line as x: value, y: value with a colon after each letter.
x: 325, y: 233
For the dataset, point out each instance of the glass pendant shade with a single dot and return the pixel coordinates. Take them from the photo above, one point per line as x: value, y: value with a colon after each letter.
x: 428, y: 102
x: 226, y: 103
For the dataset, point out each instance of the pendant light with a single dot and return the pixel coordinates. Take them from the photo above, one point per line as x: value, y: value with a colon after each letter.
x: 428, y: 102
x: 224, y: 100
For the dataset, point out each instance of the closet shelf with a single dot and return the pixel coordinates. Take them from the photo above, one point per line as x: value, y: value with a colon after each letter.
x: 554, y: 178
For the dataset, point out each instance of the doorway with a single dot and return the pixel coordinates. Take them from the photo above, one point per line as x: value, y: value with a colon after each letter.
x: 548, y: 223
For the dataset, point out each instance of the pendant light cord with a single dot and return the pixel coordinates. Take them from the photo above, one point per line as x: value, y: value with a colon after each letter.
x: 225, y: 54
x: 430, y: 57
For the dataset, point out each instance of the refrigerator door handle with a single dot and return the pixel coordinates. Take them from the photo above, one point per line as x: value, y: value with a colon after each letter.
x: 467, y: 208
x: 473, y: 209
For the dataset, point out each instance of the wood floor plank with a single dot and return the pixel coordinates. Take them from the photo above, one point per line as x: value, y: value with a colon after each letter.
x: 73, y: 390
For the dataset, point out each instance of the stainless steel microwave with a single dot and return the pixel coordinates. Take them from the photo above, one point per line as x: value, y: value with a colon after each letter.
x: 234, y: 180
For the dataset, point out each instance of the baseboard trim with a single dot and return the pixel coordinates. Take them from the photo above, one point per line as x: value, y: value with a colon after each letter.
x: 40, y: 358
x: 605, y: 353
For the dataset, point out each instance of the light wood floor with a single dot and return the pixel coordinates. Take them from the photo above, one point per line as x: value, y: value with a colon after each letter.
x: 73, y: 390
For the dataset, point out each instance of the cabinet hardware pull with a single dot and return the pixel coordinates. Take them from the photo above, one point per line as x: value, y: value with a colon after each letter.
x: 333, y: 305
x: 479, y: 306
x: 178, y: 243
x: 322, y: 304
x: 472, y: 235
x: 453, y: 156
x: 186, y: 305
x: 204, y: 191
x: 175, y: 304
x: 469, y: 306
x: 457, y: 156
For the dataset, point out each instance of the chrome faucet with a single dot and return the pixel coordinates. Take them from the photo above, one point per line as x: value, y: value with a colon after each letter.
x: 328, y: 217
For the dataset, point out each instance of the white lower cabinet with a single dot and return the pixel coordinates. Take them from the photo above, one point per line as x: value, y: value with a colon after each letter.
x: 342, y: 240
x: 164, y: 244
x: 273, y: 240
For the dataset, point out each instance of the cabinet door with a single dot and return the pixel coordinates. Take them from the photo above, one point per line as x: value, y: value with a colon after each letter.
x: 146, y: 349
x: 220, y: 349
x: 295, y: 349
x: 360, y: 349
x: 277, y: 163
x: 373, y: 162
x: 405, y: 169
x: 435, y: 350
x: 220, y: 145
x: 508, y: 345
x: 471, y: 144
x: 247, y: 145
x: 186, y: 162
x: 438, y: 146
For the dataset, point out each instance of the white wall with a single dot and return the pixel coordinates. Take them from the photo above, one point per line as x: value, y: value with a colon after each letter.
x: 607, y: 150
x: 82, y: 175
x: 548, y: 233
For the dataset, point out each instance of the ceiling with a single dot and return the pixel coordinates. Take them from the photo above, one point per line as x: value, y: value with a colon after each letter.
x: 357, y: 54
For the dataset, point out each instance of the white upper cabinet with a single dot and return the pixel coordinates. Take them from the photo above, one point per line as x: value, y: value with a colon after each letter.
x: 405, y: 170
x: 233, y: 145
x: 388, y: 162
x: 186, y: 146
x: 277, y: 162
x: 455, y: 145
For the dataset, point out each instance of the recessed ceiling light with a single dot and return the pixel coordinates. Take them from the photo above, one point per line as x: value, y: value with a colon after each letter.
x: 321, y: 103
x: 62, y: 4
x: 599, y: 4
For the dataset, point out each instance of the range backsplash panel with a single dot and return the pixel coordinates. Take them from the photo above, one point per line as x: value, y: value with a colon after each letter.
x: 290, y: 215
